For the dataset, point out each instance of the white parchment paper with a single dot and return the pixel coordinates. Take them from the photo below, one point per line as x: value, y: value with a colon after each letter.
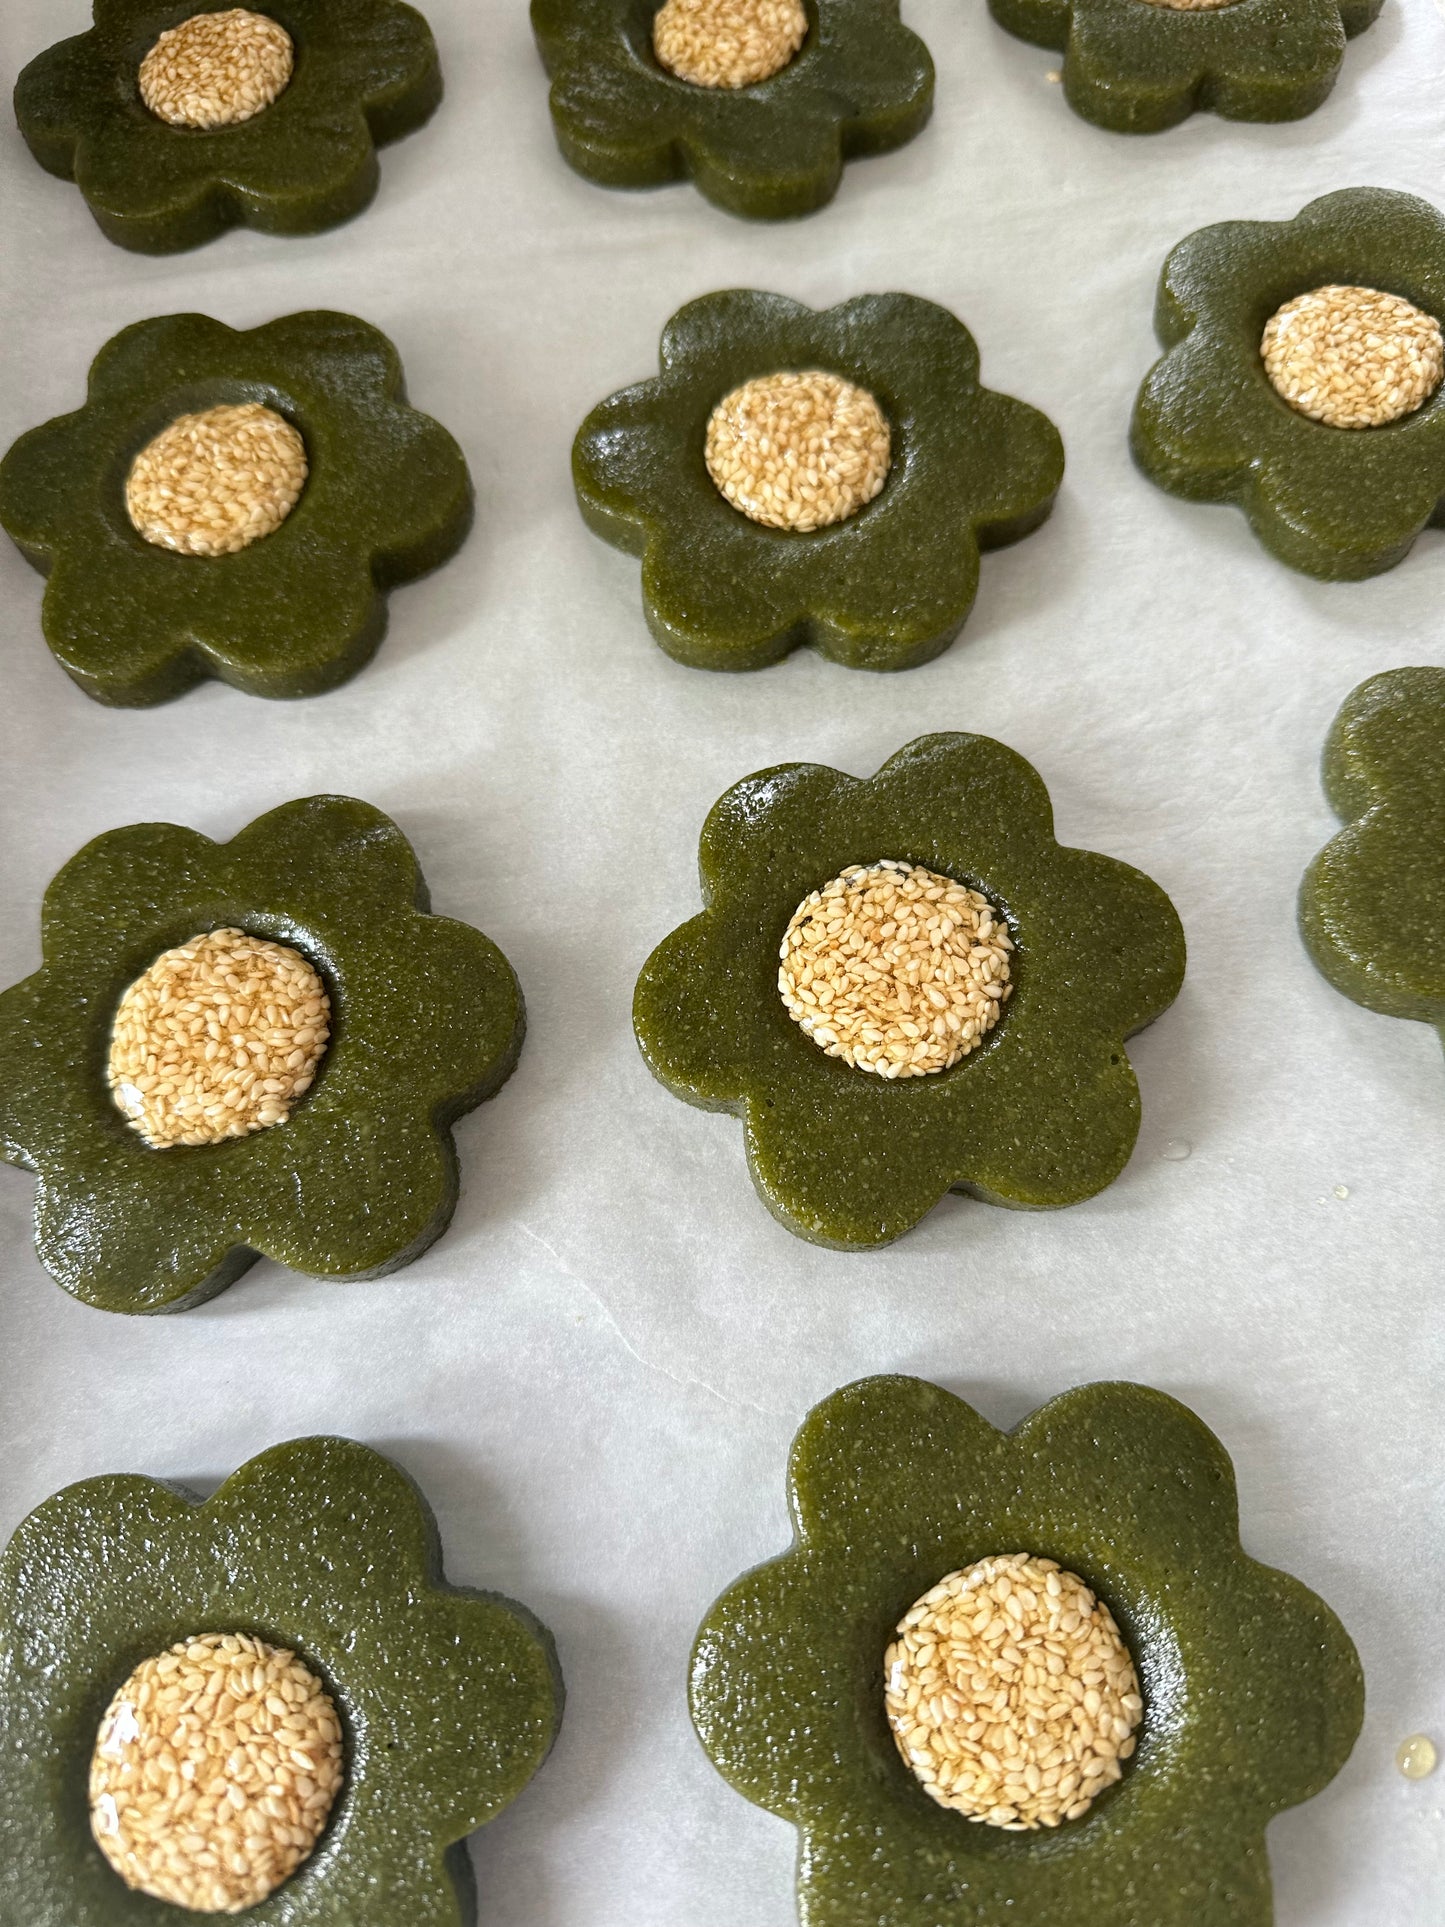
x: 596, y: 1373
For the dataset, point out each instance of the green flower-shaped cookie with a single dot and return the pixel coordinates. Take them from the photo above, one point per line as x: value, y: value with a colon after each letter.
x: 1372, y: 906
x: 386, y: 497
x: 1044, y: 1112
x: 426, y: 1022
x: 1139, y: 66
x: 886, y: 588
x: 1339, y: 503
x: 1252, y: 1690
x: 861, y: 83
x: 449, y: 1699
x: 365, y: 72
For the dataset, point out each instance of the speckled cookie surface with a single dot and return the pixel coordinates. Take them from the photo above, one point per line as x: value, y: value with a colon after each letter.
x: 1252, y: 1690
x: 1139, y: 66
x: 1372, y: 904
x: 426, y: 1022
x: 1044, y: 1113
x: 862, y: 83
x: 1209, y: 425
x: 385, y: 497
x: 365, y: 72
x: 449, y: 1698
x: 887, y: 587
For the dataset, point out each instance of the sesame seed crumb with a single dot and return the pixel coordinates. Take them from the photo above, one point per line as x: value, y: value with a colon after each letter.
x: 214, y: 1772
x: 218, y: 1038
x: 727, y: 43
x: 216, y: 69
x: 1011, y: 1695
x: 895, y: 969
x: 1353, y: 357
x: 214, y: 482
x: 798, y: 451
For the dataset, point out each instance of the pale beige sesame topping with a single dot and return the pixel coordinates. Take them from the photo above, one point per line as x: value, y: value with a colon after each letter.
x: 1011, y: 1694
x: 218, y: 1038
x: 727, y: 43
x: 214, y: 1772
x: 1353, y: 357
x: 895, y: 969
x: 216, y: 69
x: 798, y: 451
x: 212, y: 483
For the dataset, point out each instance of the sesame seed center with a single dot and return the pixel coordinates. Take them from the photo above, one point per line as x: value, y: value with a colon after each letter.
x: 213, y: 483
x: 727, y: 43
x: 220, y: 1037
x: 1353, y: 357
x: 214, y: 1772
x: 216, y: 69
x: 798, y: 451
x: 895, y: 969
x: 1011, y: 1694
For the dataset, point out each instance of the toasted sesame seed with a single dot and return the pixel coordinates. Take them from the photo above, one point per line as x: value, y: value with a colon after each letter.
x: 213, y: 483
x: 895, y: 969
x: 727, y: 43
x: 214, y: 1772
x: 1353, y: 357
x: 1011, y: 1694
x: 798, y: 451
x: 216, y: 69
x: 220, y: 1037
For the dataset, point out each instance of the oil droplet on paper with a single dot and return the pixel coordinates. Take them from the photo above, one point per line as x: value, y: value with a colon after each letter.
x: 1176, y: 1150
x: 1417, y: 1757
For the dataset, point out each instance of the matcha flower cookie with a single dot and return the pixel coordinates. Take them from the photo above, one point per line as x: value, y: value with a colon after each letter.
x: 1139, y: 66
x: 178, y: 123
x: 801, y: 478
x: 246, y: 1049
x: 1022, y: 1676
x: 1301, y: 379
x: 905, y: 986
x: 269, y: 1703
x: 1372, y: 906
x: 232, y: 503
x: 760, y: 102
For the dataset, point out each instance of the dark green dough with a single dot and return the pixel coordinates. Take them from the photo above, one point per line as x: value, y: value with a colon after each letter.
x: 366, y: 73
x: 1044, y: 1113
x: 1138, y: 68
x: 1252, y: 1690
x: 1372, y: 904
x: 1337, y: 503
x: 888, y: 588
x: 426, y: 1023
x: 387, y: 498
x: 449, y: 1699
x: 861, y: 83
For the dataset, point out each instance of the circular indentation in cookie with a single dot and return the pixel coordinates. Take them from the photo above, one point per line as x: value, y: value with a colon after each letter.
x: 220, y: 1037
x: 1353, y: 357
x: 214, y: 1772
x: 727, y: 43
x: 895, y: 969
x: 216, y: 69
x: 212, y: 483
x: 798, y: 451
x: 1417, y: 1757
x: 1011, y: 1694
